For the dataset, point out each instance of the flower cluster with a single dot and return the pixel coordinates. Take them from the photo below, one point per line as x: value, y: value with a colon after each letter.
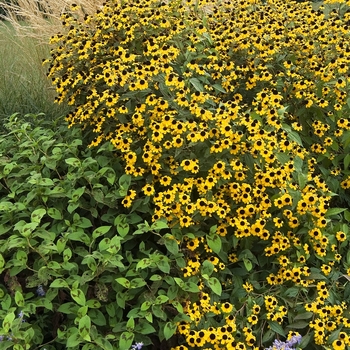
x: 287, y: 345
x: 230, y: 117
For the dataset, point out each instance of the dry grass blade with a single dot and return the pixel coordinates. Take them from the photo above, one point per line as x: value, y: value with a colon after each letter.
x: 42, y: 17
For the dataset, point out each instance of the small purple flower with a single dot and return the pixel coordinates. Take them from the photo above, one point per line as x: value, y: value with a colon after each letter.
x: 40, y: 291
x: 1, y: 337
x: 21, y: 315
x: 287, y: 345
x: 137, y: 346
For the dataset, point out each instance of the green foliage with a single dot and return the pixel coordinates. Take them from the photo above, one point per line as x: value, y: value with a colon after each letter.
x: 79, y: 269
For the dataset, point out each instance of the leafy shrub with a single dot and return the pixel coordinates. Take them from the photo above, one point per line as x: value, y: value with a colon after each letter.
x: 73, y: 267
x: 230, y: 123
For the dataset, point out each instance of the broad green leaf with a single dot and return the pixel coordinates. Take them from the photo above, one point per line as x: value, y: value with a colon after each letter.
x: 102, y: 230
x: 54, y: 214
x: 298, y: 325
x: 207, y: 268
x: 191, y: 287
x: 124, y: 282
x: 137, y: 283
x: 144, y: 328
x: 215, y: 285
x: 161, y: 299
x: 19, y: 299
x: 143, y: 263
x: 277, y: 328
x: 7, y: 322
x: 37, y: 215
x: 74, y: 340
x: 145, y: 305
x: 163, y: 266
x: 171, y: 244
x: 130, y: 325
x: 303, y: 316
x: 77, y: 194
x: 124, y: 182
x: 169, y: 330
x: 178, y: 306
x: 84, y: 327
x: 75, y: 162
x: 103, y: 343
x: 159, y: 225
x: 78, y: 296
x: 214, y: 243
x: 334, y: 211
x: 126, y: 340
x: 197, y: 84
x: 247, y: 264
x: 59, y: 283
x: 218, y: 87
x: 123, y: 229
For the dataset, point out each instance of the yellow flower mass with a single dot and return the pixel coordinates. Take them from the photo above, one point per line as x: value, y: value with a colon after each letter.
x: 204, y: 102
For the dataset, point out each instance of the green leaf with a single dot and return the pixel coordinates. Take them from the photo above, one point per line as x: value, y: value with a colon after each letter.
x: 303, y: 316
x: 126, y: 340
x: 161, y: 299
x: 169, y: 330
x: 7, y: 322
x: 219, y: 88
x: 78, y: 296
x: 179, y: 282
x: 77, y: 194
x: 137, y: 283
x: 124, y: 182
x: 197, y: 84
x: 59, y: 283
x: 305, y: 340
x: 37, y: 215
x: 346, y: 162
x: 2, y: 263
x: 298, y: 325
x: 103, y: 343
x: 163, y: 266
x: 74, y: 339
x: 84, y: 327
x: 75, y: 162
x: 207, y: 268
x: 294, y: 136
x: 277, y: 328
x: 54, y: 214
x: 19, y: 298
x: 102, y: 230
x: 145, y: 305
x: 149, y: 317
x: 159, y: 225
x: 178, y: 306
x: 123, y: 229
x: 334, y: 211
x: 191, y: 287
x: 130, y: 325
x: 214, y: 243
x: 215, y: 285
x: 171, y: 244
x: 247, y: 264
x: 143, y: 263
x: 27, y: 229
x: 124, y: 282
x: 144, y: 328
